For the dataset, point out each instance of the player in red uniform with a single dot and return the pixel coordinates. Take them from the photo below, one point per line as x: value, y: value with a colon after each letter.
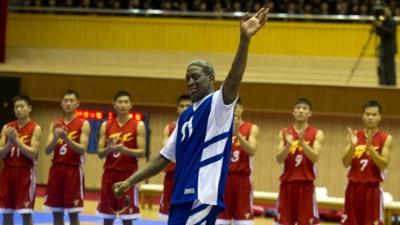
x: 182, y: 103
x: 121, y: 142
x: 367, y: 154
x: 238, y: 194
x: 68, y: 140
x: 299, y: 149
x: 19, y: 145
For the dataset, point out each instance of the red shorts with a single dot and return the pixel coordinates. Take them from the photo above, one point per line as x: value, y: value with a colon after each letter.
x: 109, y: 206
x: 238, y: 198
x: 297, y: 203
x: 65, y: 189
x: 167, y: 195
x: 363, y: 204
x: 17, y: 189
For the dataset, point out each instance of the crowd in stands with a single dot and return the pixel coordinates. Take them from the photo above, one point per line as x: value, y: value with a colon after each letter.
x: 321, y: 7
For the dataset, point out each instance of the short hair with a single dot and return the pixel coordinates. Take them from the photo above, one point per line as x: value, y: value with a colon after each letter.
x: 70, y: 92
x: 24, y: 98
x: 304, y: 101
x: 207, y: 68
x: 372, y: 103
x: 120, y: 94
x: 182, y: 98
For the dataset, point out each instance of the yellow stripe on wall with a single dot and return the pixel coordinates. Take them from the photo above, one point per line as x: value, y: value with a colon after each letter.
x: 194, y: 35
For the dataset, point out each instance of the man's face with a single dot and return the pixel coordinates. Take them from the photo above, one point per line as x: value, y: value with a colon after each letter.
x: 69, y: 103
x: 123, y: 105
x: 21, y: 109
x: 198, y: 83
x: 183, y: 104
x: 301, y: 112
x: 371, y: 117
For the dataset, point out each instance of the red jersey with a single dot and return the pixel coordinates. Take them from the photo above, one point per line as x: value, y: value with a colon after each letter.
x: 363, y: 168
x: 241, y: 162
x: 127, y: 135
x: 14, y: 156
x: 171, y: 166
x: 297, y: 165
x: 63, y: 154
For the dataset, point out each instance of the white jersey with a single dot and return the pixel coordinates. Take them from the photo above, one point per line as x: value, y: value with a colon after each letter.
x: 200, y: 146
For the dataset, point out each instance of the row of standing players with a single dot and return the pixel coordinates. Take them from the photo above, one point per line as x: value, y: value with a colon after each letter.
x: 299, y: 148
x: 201, y: 146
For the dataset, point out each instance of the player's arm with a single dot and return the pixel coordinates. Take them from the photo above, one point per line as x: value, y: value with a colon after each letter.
x: 32, y: 150
x: 350, y: 148
x: 314, y: 152
x: 154, y: 167
x: 51, y: 140
x: 250, y: 145
x: 248, y: 28
x: 165, y: 135
x: 5, y: 145
x: 140, y: 142
x: 283, y: 149
x: 80, y: 147
x: 381, y: 160
x: 103, y: 148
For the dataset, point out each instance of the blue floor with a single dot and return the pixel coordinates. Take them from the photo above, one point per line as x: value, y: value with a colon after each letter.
x: 46, y: 218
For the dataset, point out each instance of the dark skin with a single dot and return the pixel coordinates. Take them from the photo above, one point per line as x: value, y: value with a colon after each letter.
x: 199, y: 85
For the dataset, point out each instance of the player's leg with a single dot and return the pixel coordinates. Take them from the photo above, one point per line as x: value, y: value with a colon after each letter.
x: 27, y: 219
x: 351, y: 205
x: 285, y: 204
x: 373, y: 212
x: 58, y: 218
x: 73, y: 196
x: 127, y: 222
x: 243, y: 208
x: 8, y: 218
x: 74, y: 218
x: 226, y: 216
x: 108, y: 222
x: 307, y: 209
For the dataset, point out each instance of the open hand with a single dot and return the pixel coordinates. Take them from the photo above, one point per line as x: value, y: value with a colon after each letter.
x: 250, y: 25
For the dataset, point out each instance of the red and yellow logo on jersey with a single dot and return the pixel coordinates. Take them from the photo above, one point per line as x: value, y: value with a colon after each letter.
x: 235, y: 141
x: 360, y: 150
x: 71, y: 135
x: 24, y: 139
x: 120, y: 137
x: 295, y: 146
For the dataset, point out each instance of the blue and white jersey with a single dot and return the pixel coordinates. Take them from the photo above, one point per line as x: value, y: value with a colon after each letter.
x: 200, y: 146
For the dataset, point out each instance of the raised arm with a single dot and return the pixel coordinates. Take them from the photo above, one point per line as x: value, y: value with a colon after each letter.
x: 248, y: 27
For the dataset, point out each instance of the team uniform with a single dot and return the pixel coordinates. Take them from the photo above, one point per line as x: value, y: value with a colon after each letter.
x: 200, y: 146
x: 296, y: 202
x: 18, y: 178
x: 364, y: 197
x: 66, y: 181
x: 239, y: 189
x: 118, y: 167
x: 168, y: 182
